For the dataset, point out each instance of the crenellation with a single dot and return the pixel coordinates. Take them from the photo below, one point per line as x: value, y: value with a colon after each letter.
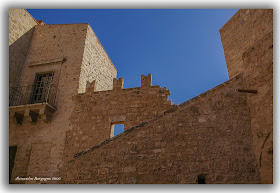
x: 146, y: 81
x: 117, y: 83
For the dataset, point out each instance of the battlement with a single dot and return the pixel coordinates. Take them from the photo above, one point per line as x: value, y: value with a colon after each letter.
x: 146, y: 81
x: 128, y: 106
x: 146, y: 84
x: 117, y: 83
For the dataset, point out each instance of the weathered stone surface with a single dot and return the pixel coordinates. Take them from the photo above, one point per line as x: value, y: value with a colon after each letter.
x: 176, y: 151
x: 225, y: 135
x: 248, y: 44
x: 259, y: 59
x: 96, y: 65
x: 53, y: 48
x: 245, y: 28
x: 98, y: 111
x: 21, y: 26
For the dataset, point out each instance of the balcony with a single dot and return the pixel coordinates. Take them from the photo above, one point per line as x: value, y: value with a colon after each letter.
x: 32, y: 102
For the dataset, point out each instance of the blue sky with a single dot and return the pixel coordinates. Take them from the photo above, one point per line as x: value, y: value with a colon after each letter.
x: 181, y: 48
x: 118, y: 129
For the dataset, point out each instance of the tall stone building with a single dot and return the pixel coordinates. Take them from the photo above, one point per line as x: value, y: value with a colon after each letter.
x: 64, y: 101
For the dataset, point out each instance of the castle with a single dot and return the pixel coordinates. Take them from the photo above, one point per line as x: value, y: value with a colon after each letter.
x: 64, y: 101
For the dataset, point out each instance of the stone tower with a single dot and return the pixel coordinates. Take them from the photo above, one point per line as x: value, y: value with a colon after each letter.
x: 248, y: 45
x: 48, y: 65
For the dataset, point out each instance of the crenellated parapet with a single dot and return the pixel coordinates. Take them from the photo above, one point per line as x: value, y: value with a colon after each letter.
x: 146, y: 90
x: 117, y: 84
x: 146, y: 81
x: 96, y: 112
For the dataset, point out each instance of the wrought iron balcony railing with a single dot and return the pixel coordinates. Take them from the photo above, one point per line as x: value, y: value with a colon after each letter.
x: 23, y: 95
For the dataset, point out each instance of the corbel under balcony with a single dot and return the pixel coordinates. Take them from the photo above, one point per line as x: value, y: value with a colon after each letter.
x: 31, y: 112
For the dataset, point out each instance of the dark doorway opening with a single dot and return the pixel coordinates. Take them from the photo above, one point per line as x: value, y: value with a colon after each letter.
x: 201, y: 179
x: 12, y: 156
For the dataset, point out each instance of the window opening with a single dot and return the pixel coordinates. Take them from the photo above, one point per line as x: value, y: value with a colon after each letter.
x: 42, y: 87
x: 116, y: 129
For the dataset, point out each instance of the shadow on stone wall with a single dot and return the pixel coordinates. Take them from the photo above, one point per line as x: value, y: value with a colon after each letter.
x: 17, y: 55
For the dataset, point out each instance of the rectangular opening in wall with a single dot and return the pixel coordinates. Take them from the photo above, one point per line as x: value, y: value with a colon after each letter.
x: 42, y: 86
x: 201, y: 179
x: 12, y: 156
x: 116, y: 129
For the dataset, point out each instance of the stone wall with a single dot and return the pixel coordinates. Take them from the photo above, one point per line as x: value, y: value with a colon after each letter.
x: 96, y: 65
x: 20, y: 22
x: 258, y: 75
x: 248, y: 44
x: 21, y: 25
x: 51, y: 46
x: 245, y: 28
x: 208, y: 135
x: 96, y: 112
x: 41, y: 144
x: 39, y: 162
